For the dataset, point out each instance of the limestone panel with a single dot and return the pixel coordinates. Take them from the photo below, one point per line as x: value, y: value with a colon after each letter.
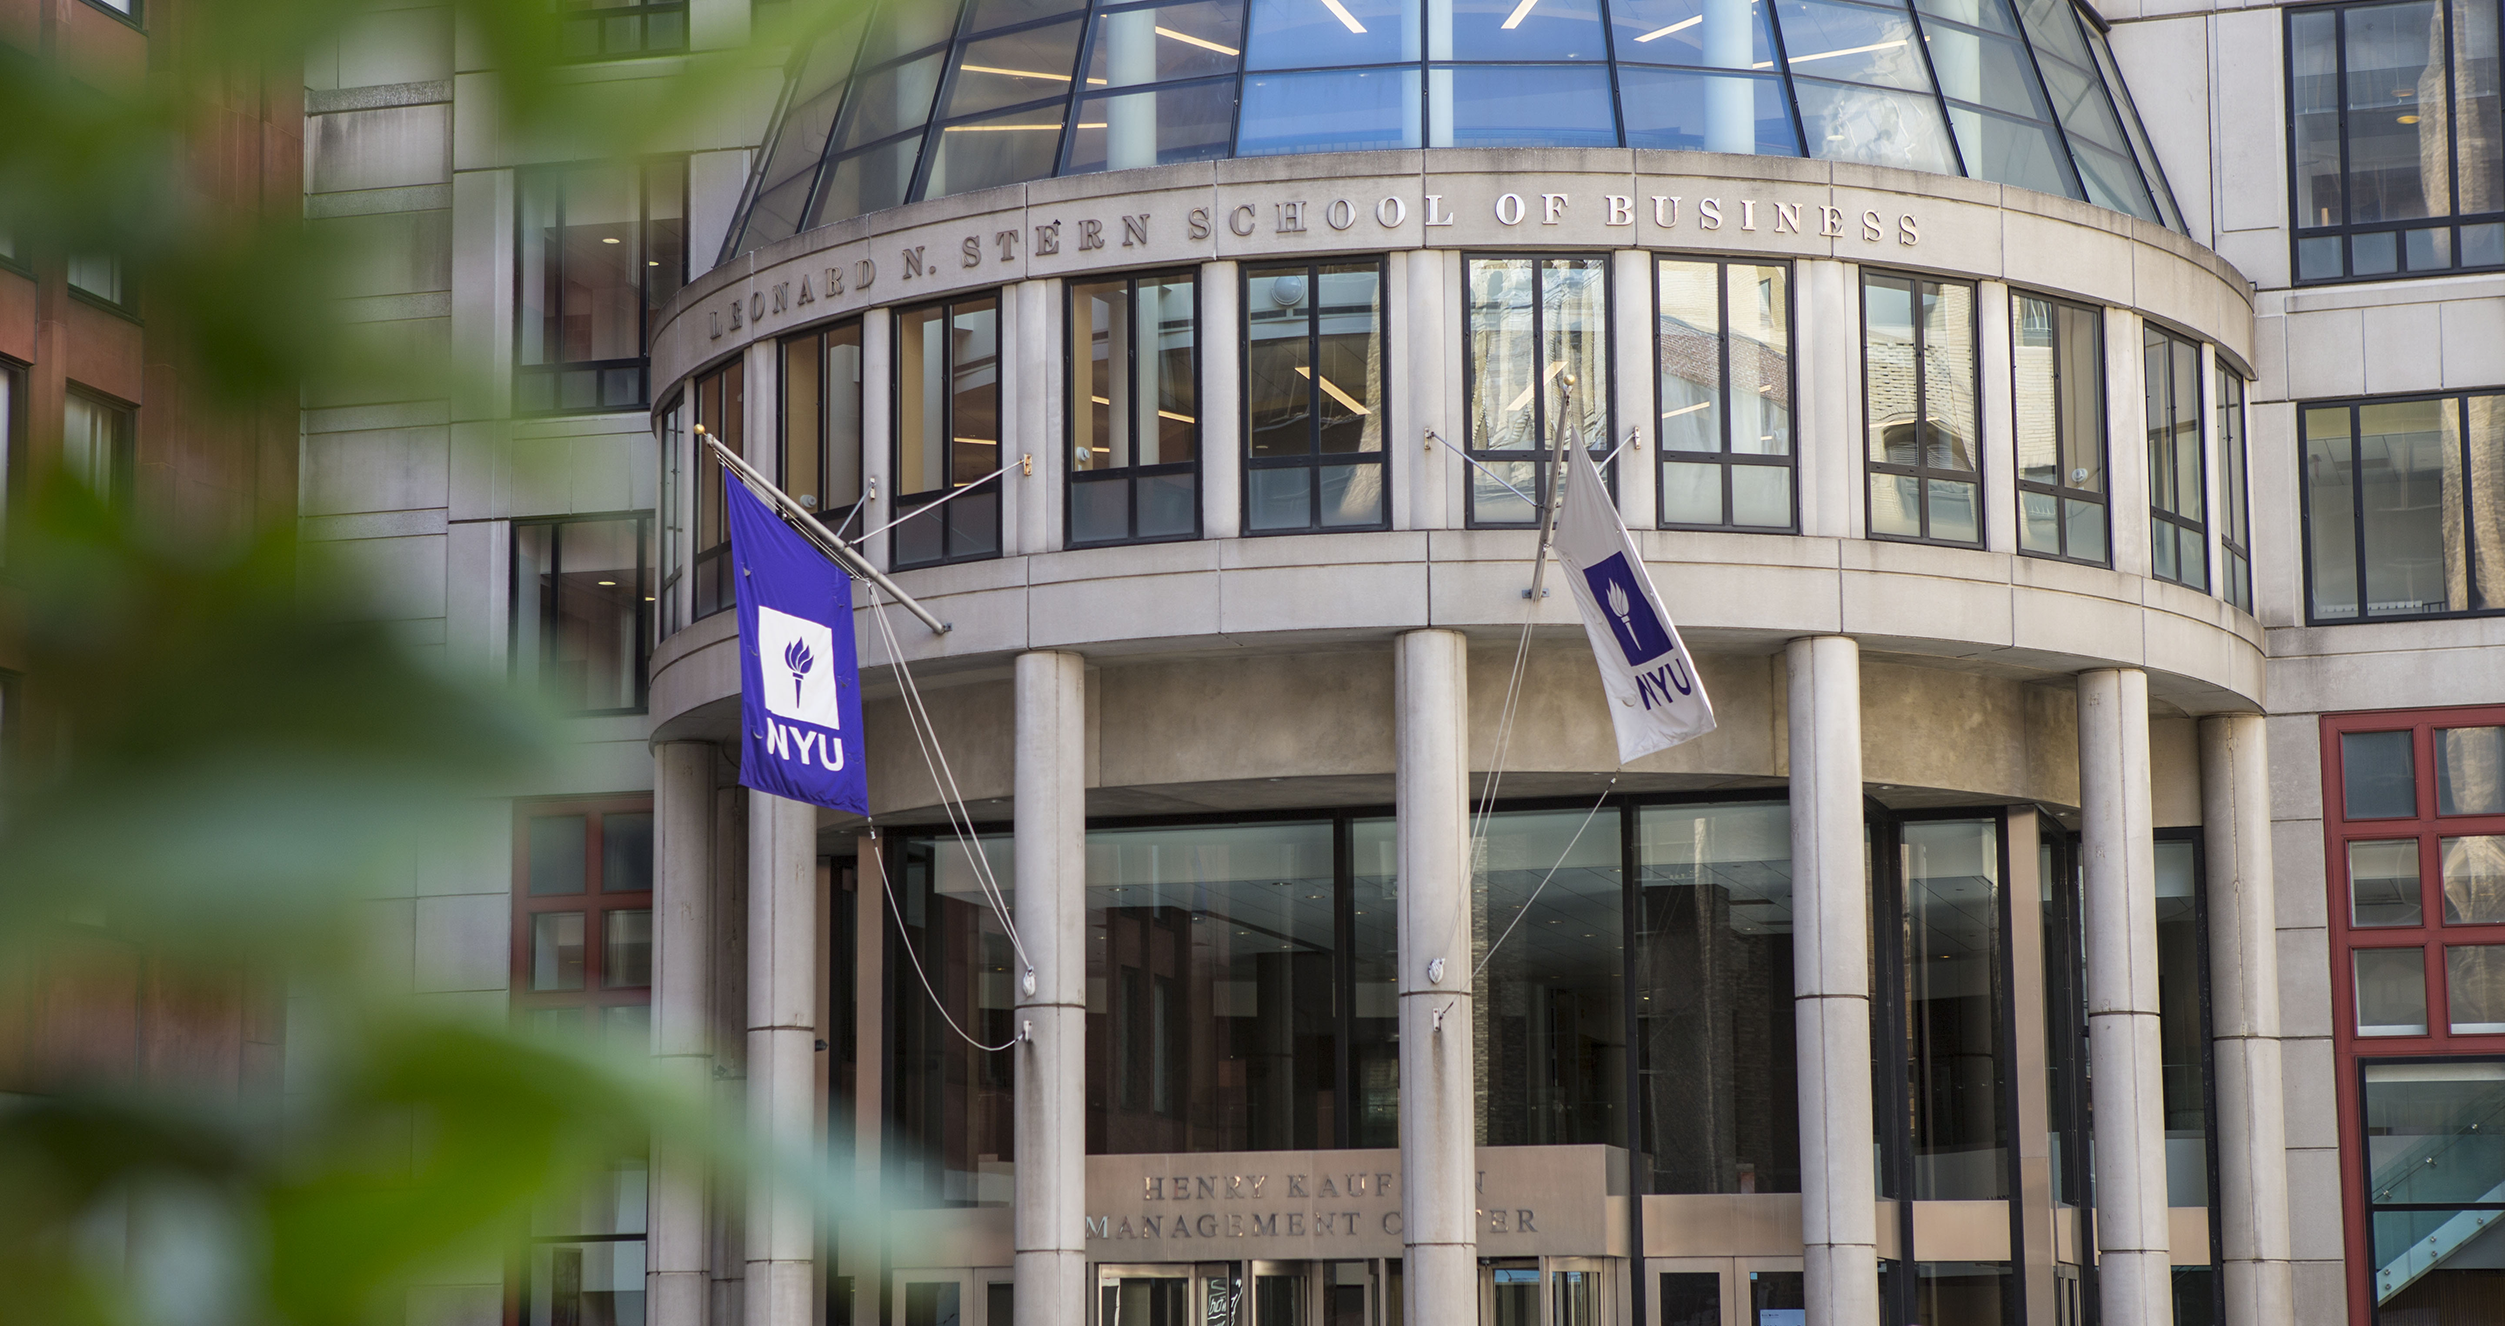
x: 375, y: 149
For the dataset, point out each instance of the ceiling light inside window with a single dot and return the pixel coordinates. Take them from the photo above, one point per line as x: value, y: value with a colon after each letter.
x: 611, y: 239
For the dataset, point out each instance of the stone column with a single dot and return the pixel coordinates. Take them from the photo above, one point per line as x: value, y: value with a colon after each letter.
x: 783, y: 937
x: 861, y: 1244
x: 678, y: 1275
x: 2125, y: 1065
x: 1438, y: 1115
x: 1831, y: 983
x: 2252, y: 1198
x: 878, y: 422
x: 1050, y: 827
x: 1221, y: 400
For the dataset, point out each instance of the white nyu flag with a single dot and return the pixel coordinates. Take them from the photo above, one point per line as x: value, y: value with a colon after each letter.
x: 1656, y: 699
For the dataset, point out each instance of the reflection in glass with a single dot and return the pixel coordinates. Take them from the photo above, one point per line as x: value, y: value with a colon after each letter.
x: 2178, y: 528
x: 2474, y: 983
x: 997, y: 72
x: 1713, y: 989
x: 2314, y: 82
x: 1535, y: 337
x: 948, y: 430
x: 1156, y: 127
x: 2378, y: 775
x: 586, y: 1284
x: 557, y: 951
x: 2182, y: 1027
x: 949, y: 1102
x: 2383, y: 883
x: 1520, y: 106
x: 2411, y: 490
x: 1298, y: 33
x: 1010, y: 148
x: 2391, y: 991
x: 2235, y: 536
x: 626, y: 948
x: 559, y: 853
x: 2470, y: 771
x: 1355, y: 110
x: 2330, y: 515
x: 1134, y: 405
x: 2474, y: 880
x: 1918, y: 347
x: 1874, y: 126
x: 2432, y: 1136
x: 1686, y: 111
x: 1313, y: 388
x: 2058, y: 366
x: 1953, y: 974
x: 1694, y: 33
x: 1550, y: 1022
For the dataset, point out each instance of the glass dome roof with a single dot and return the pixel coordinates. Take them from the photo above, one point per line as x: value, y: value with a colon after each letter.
x: 936, y: 97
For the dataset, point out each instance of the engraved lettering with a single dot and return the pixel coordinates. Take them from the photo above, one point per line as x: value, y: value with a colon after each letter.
x: 1007, y: 242
x: 1512, y: 201
x: 1339, y: 214
x: 1621, y: 209
x: 1551, y: 204
x: 913, y: 263
x: 1196, y: 222
x: 1134, y: 230
x: 1091, y: 234
x: 1434, y: 204
x: 1871, y: 230
x: 1665, y: 212
x: 1048, y: 240
x: 1748, y: 214
x: 1830, y: 222
x: 1787, y: 218
x: 1291, y: 218
x: 1908, y: 231
x: 1709, y: 213
x: 1390, y: 212
x: 1241, y: 219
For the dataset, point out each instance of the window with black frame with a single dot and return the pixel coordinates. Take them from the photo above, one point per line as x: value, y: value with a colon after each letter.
x: 721, y: 409
x: 2178, y: 498
x: 1314, y: 398
x: 2235, y: 530
x: 2057, y: 370
x: 2404, y: 499
x: 2396, y: 138
x: 1548, y: 934
x: 585, y: 1263
x: 947, y: 408
x: 2184, y: 1059
x: 612, y: 29
x: 1722, y: 345
x: 601, y: 247
x: 822, y: 423
x: 1535, y: 367
x: 1134, y: 397
x: 948, y: 1098
x: 1918, y: 394
x: 582, y: 590
x: 2433, y: 1165
x: 100, y: 444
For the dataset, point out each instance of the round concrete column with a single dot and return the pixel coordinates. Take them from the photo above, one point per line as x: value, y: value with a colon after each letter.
x: 784, y: 932
x: 1051, y: 909
x: 1831, y: 983
x: 1438, y: 1118
x: 2252, y: 1200
x: 677, y: 1278
x: 2125, y: 1063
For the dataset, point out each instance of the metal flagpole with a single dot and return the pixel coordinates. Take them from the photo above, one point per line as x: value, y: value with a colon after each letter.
x: 1556, y: 485
x: 835, y: 549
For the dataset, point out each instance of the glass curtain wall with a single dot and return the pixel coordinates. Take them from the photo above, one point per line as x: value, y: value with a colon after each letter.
x: 1314, y: 398
x: 1722, y: 346
x: 721, y: 409
x: 2058, y: 367
x: 951, y: 991
x: 1134, y: 396
x: 1241, y: 987
x: 1716, y: 1080
x: 1548, y: 942
x: 1535, y: 366
x: 947, y: 408
x: 2396, y: 134
x: 1918, y: 384
x: 2178, y: 501
x: 822, y: 423
x: 2405, y: 498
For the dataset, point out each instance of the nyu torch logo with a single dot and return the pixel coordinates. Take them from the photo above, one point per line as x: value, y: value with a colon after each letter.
x: 812, y: 702
x: 1639, y: 632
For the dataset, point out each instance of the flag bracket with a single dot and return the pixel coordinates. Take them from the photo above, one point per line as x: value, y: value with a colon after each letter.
x: 819, y: 536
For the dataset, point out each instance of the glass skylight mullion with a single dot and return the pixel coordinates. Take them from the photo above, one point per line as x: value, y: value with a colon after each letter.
x: 2153, y: 173
x: 1922, y: 41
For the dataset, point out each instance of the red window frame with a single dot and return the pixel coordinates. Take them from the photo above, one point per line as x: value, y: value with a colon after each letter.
x: 595, y: 904
x: 2432, y: 935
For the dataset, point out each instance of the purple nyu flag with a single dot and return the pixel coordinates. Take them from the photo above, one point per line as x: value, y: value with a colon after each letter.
x: 799, y: 678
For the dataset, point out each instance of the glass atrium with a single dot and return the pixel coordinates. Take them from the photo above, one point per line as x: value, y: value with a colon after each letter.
x: 931, y: 98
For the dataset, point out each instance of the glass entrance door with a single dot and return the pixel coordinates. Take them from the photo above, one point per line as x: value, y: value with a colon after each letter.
x: 1171, y: 1294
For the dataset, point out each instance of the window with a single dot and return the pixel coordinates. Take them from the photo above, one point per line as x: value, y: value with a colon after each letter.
x: 822, y: 423
x: 582, y: 932
x: 1313, y: 398
x: 582, y: 965
x: 1918, y: 390
x: 99, y: 442
x: 580, y: 617
x: 608, y: 29
x: 721, y: 412
x: 2397, y: 126
x: 1134, y: 396
x: 1005, y: 100
x: 2058, y: 368
x: 948, y: 432
x: 2178, y: 527
x: 1550, y: 1003
x: 1247, y: 972
x: 99, y: 277
x: 1722, y: 342
x: 1169, y: 71
x: 12, y: 442
x: 601, y: 247
x: 1535, y: 367
x: 2235, y: 534
x: 949, y: 1102
x: 2414, y: 829
x: 2404, y: 500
